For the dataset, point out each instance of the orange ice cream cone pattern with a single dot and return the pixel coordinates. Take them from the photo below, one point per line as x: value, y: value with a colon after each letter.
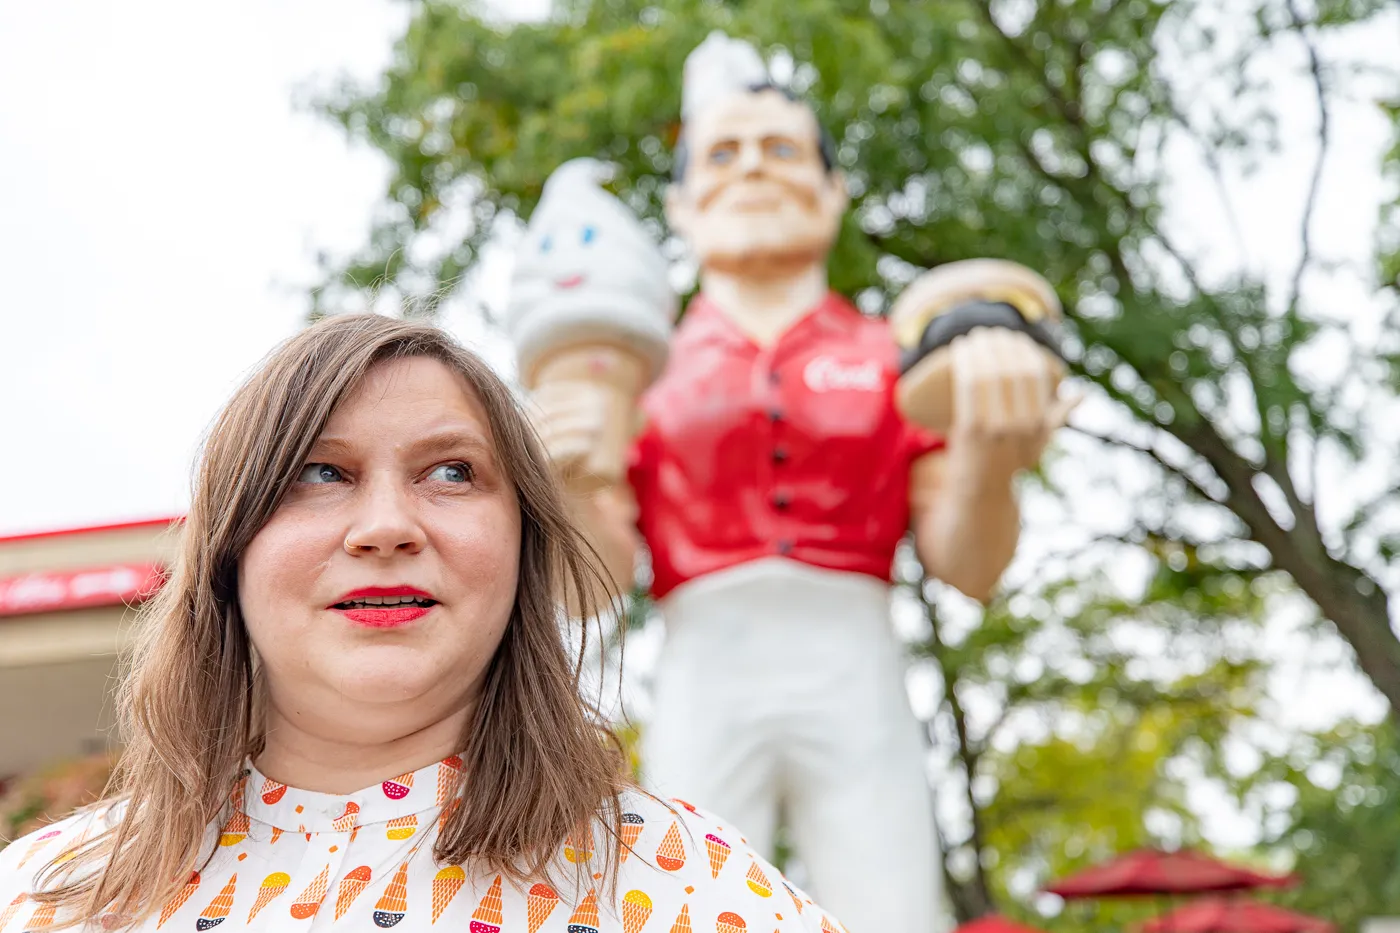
x: 273, y: 885
x: 446, y: 884
x: 347, y: 820
x: 539, y: 904
x: 636, y: 910
x: 827, y: 926
x: 585, y: 918
x: 235, y: 830
x: 394, y: 902
x: 730, y: 922
x: 398, y: 788
x: 272, y: 791
x: 671, y: 854
x: 39, y: 843
x: 176, y: 902
x: 682, y: 924
x: 487, y: 916
x: 579, y: 847
x: 42, y: 917
x: 309, y: 901
x: 793, y: 894
x: 402, y: 828
x: 448, y: 772
x: 13, y: 908
x: 632, y: 825
x: 758, y: 881
x: 218, y: 908
x: 355, y: 881
x: 718, y: 851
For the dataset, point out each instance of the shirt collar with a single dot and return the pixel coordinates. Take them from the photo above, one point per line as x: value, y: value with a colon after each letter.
x: 705, y: 323
x: 293, y: 810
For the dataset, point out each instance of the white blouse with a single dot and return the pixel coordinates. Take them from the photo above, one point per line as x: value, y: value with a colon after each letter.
x: 292, y: 860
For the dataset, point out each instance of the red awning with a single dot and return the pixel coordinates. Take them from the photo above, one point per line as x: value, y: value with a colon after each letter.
x: 1222, y: 915
x: 995, y: 923
x: 1151, y: 872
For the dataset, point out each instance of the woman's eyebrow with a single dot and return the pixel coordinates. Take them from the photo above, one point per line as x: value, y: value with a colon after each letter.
x: 451, y: 440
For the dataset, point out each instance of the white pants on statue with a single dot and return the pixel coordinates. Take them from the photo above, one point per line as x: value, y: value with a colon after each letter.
x: 781, y: 686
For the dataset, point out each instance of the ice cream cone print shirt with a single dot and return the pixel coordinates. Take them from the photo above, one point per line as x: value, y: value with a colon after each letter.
x: 291, y: 860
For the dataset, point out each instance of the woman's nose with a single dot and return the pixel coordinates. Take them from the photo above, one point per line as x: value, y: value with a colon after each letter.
x: 385, y: 524
x: 750, y: 158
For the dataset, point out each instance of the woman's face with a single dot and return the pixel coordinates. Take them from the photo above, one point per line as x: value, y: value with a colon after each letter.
x: 401, y: 501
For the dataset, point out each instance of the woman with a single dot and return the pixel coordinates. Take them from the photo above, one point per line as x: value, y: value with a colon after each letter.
x: 352, y: 706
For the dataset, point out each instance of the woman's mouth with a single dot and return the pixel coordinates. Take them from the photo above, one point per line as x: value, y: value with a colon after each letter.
x: 385, y: 611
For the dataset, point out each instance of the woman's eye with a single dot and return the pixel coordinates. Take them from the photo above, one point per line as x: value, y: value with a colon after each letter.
x: 784, y: 150
x: 588, y: 234
x: 722, y: 155
x: 452, y: 473
x: 546, y: 244
x: 319, y: 473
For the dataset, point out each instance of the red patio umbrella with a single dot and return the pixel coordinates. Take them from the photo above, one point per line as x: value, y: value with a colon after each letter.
x: 1219, y: 915
x: 995, y: 923
x: 1150, y: 872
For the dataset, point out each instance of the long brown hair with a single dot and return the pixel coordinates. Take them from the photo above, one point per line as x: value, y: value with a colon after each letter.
x: 538, y: 763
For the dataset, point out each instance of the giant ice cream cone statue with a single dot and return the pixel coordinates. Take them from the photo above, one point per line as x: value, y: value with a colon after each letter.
x: 539, y: 904
x: 590, y: 306
x: 949, y: 302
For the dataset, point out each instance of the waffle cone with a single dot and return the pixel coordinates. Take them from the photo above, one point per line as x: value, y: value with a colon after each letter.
x: 175, y: 903
x: 445, y: 887
x: 682, y: 924
x: 539, y: 904
x: 718, y: 850
x: 309, y: 901
x: 636, y: 910
x: 273, y: 885
x: 354, y: 882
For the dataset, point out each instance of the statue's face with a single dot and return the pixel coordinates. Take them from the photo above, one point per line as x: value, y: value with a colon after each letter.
x: 755, y: 195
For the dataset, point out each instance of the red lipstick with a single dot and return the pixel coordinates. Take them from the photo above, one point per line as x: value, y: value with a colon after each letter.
x: 352, y: 606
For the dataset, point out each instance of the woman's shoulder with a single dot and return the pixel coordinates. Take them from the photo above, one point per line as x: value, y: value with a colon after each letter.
x: 23, y: 859
x: 674, y: 844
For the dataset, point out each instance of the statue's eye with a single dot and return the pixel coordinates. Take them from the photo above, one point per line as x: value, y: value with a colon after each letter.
x: 588, y: 234
x: 546, y: 244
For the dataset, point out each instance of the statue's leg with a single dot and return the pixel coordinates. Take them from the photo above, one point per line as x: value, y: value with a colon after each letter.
x: 707, y: 741
x: 860, y: 802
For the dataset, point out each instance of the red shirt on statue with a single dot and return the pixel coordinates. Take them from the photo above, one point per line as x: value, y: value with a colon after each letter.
x: 791, y: 450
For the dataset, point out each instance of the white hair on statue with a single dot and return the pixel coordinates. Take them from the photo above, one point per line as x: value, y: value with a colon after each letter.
x: 716, y: 67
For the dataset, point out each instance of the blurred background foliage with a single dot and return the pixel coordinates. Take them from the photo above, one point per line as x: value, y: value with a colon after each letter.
x: 1225, y: 481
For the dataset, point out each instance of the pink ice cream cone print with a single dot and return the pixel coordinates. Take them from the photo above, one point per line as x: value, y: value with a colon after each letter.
x: 632, y: 825
x: 682, y: 924
x: 273, y: 885
x: 730, y: 922
x: 636, y: 910
x: 585, y: 917
x: 309, y: 901
x: 176, y: 902
x: 718, y: 851
x: 446, y: 884
x: 671, y: 854
x: 355, y: 881
x: 758, y: 881
x: 398, y: 788
x: 218, y: 908
x: 272, y: 791
x: 40, y: 842
x: 487, y: 916
x: 394, y: 903
x: 539, y: 904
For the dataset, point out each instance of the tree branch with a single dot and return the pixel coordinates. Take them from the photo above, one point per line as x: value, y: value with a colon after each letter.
x: 1323, y: 140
